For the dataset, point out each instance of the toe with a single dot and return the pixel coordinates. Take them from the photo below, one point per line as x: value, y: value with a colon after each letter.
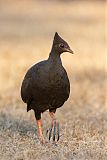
x: 50, y: 131
x: 54, y: 131
x: 42, y: 140
x: 58, y: 131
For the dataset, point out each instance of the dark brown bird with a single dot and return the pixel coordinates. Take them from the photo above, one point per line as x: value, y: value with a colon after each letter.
x: 46, y: 86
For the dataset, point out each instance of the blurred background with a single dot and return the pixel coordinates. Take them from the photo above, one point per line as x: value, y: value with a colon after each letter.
x: 27, y: 28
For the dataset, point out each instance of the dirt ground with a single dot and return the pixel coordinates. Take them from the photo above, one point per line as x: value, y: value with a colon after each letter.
x: 26, y: 32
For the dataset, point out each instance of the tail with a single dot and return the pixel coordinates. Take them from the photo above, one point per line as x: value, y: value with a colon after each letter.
x: 28, y: 106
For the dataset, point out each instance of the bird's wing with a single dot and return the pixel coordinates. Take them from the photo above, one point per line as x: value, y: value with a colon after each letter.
x: 26, y: 90
x: 26, y: 86
x: 30, y: 80
x: 67, y: 84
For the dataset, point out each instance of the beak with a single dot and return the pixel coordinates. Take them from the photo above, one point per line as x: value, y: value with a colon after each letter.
x: 69, y: 50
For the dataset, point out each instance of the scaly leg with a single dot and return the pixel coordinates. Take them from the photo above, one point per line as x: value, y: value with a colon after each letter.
x: 54, y: 127
x: 39, y: 125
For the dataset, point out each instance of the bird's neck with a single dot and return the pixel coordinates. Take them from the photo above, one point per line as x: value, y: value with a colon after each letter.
x: 54, y: 57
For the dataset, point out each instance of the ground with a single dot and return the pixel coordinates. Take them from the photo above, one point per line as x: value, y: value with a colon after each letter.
x: 26, y: 38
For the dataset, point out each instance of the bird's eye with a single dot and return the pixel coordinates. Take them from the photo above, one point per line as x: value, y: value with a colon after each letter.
x: 61, y: 45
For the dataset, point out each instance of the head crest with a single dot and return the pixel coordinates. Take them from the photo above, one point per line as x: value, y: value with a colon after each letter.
x: 57, y: 39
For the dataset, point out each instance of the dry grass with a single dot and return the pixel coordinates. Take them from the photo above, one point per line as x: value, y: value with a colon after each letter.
x: 26, y: 37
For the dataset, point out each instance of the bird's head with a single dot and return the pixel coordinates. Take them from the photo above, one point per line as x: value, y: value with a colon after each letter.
x: 59, y: 45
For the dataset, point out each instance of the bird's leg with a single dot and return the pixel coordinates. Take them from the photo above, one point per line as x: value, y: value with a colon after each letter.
x: 39, y: 125
x: 54, y: 127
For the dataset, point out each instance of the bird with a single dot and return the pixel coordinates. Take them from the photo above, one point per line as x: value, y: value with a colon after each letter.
x: 46, y: 86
